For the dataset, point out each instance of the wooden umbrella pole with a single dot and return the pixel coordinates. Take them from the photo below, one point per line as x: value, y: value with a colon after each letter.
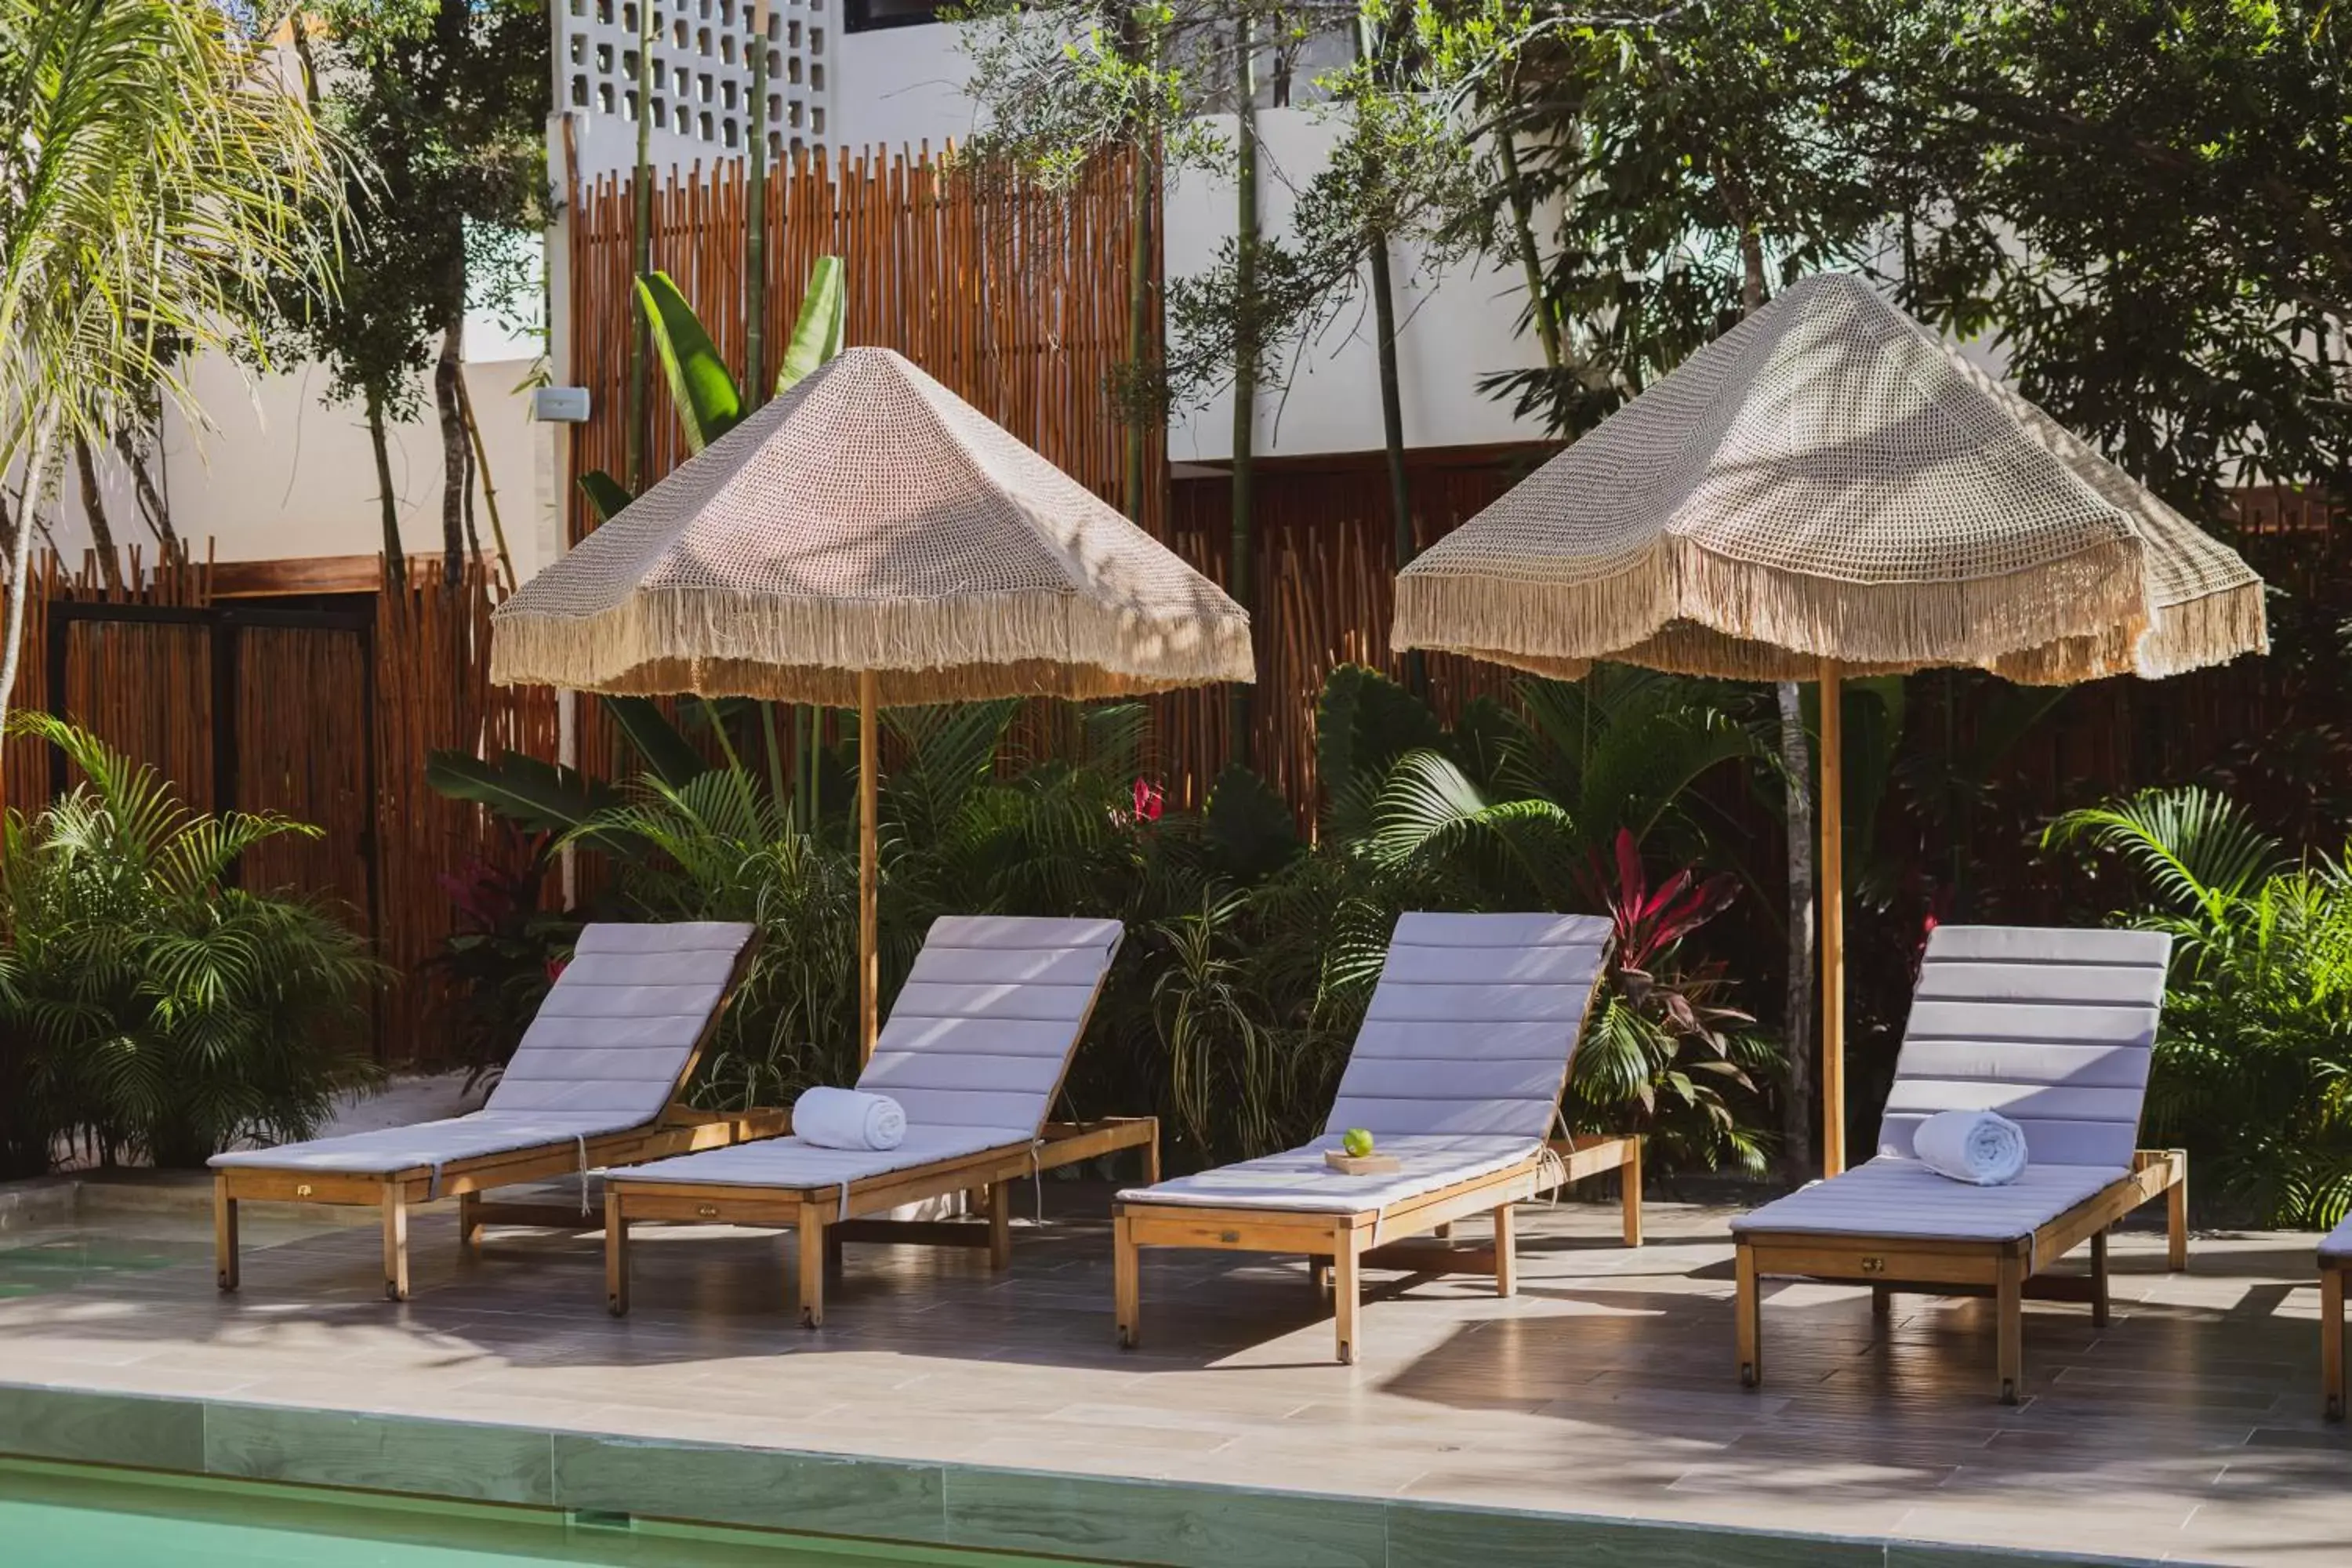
x: 869, y: 924
x: 1832, y: 897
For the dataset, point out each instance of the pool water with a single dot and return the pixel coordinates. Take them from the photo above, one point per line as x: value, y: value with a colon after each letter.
x: 72, y: 1516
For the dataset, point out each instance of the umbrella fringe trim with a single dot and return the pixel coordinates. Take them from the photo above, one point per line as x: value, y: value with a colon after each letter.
x: 1753, y: 622
x: 746, y: 644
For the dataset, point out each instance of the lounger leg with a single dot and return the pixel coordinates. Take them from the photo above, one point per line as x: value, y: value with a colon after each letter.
x: 1345, y: 1291
x: 1443, y: 1232
x: 224, y: 1234
x: 395, y: 1242
x: 809, y: 1239
x: 1319, y: 1274
x: 616, y: 1254
x: 2099, y: 1312
x: 1127, y: 1281
x: 1151, y: 1158
x: 2176, y: 1217
x: 1748, y: 1310
x: 2009, y: 1329
x: 1000, y: 1225
x: 1506, y: 1263
x: 469, y: 1224
x: 2331, y: 1343
x: 1629, y: 1182
x: 1882, y: 1300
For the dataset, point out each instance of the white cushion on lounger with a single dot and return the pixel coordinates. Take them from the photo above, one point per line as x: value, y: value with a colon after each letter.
x: 983, y: 1031
x: 603, y: 1054
x: 2338, y: 1242
x: 791, y: 1163
x: 1297, y: 1181
x: 614, y: 1032
x: 427, y: 1143
x: 1904, y: 1199
x: 1470, y: 1029
x: 974, y: 1051
x: 2052, y: 1028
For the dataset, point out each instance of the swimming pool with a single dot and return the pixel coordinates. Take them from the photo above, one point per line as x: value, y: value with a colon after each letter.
x: 72, y: 1516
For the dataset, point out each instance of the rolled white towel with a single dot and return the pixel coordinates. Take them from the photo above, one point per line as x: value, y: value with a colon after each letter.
x: 845, y: 1119
x: 1979, y: 1147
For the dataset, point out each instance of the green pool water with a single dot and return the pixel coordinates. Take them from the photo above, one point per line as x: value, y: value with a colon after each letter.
x: 70, y: 1516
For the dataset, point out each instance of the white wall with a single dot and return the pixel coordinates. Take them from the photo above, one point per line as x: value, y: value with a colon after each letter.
x: 902, y: 87
x: 282, y: 474
x: 1451, y: 332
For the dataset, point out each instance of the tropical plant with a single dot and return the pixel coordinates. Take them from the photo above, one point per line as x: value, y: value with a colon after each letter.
x: 1666, y: 1054
x: 504, y: 953
x: 2253, y: 1059
x: 155, y: 1008
x: 709, y: 400
x: 157, y: 180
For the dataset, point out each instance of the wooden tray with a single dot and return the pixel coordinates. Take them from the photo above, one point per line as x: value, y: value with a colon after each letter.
x: 1362, y: 1165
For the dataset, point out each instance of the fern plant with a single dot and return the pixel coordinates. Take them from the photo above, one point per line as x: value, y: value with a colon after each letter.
x: 157, y: 1010
x: 2253, y: 1061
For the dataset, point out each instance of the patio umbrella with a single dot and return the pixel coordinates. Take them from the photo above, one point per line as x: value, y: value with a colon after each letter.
x: 1830, y: 489
x: 870, y: 539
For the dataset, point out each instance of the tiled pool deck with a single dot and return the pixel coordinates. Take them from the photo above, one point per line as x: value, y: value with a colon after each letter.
x: 1593, y: 1419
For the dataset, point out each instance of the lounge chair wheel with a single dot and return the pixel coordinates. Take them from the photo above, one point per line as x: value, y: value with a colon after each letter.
x: 1747, y: 1378
x: 616, y: 1306
x: 2007, y: 1390
x: 225, y: 1279
x: 1127, y: 1338
x: 393, y: 1293
x: 2335, y: 1410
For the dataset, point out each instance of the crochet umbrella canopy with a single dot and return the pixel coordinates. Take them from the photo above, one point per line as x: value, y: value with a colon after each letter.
x: 1831, y: 489
x: 869, y: 539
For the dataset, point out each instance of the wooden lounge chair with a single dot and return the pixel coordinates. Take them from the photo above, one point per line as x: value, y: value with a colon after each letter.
x: 2334, y: 1261
x: 595, y: 1082
x: 979, y: 1040
x: 2053, y: 1029
x: 1457, y: 1072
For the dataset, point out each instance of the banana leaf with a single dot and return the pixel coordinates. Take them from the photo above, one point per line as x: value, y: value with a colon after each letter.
x: 605, y: 493
x: 709, y: 404
x: 816, y: 331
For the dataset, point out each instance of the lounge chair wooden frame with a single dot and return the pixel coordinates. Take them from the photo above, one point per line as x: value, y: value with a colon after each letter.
x: 1346, y: 1239
x: 822, y: 1217
x: 678, y: 1129
x: 2331, y: 1335
x: 823, y: 1221
x: 2007, y: 1271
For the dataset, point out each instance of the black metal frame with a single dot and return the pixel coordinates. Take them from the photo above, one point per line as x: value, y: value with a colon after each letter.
x: 225, y: 622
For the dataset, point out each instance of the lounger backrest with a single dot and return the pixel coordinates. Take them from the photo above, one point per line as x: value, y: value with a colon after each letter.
x: 2054, y: 1030
x: 981, y: 1033
x: 618, y: 1029
x: 1473, y: 1024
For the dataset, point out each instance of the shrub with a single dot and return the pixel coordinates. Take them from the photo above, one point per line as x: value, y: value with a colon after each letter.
x: 2252, y: 1071
x: 154, y: 1008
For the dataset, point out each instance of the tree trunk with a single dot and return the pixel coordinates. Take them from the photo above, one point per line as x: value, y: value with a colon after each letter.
x: 152, y: 506
x: 1139, y: 323
x: 1797, y: 764
x: 1523, y: 233
x: 20, y: 566
x: 755, y: 224
x: 395, y: 555
x: 640, y: 247
x: 455, y: 479
x: 1384, y: 318
x: 93, y: 506
x: 1246, y: 353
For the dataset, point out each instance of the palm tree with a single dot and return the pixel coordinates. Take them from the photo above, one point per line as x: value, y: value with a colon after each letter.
x: 156, y: 175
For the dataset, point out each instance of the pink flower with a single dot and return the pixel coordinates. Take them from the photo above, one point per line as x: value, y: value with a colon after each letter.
x: 1149, y: 800
x: 555, y: 968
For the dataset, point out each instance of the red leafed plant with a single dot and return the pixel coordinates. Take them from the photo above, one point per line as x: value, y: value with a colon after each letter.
x: 1151, y: 800
x: 1663, y: 1043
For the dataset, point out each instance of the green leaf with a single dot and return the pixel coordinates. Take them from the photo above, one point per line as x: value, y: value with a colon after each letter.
x: 816, y: 331
x: 1246, y: 828
x: 709, y: 401
x: 541, y: 796
x: 668, y: 755
x: 1364, y: 722
x: 605, y: 493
